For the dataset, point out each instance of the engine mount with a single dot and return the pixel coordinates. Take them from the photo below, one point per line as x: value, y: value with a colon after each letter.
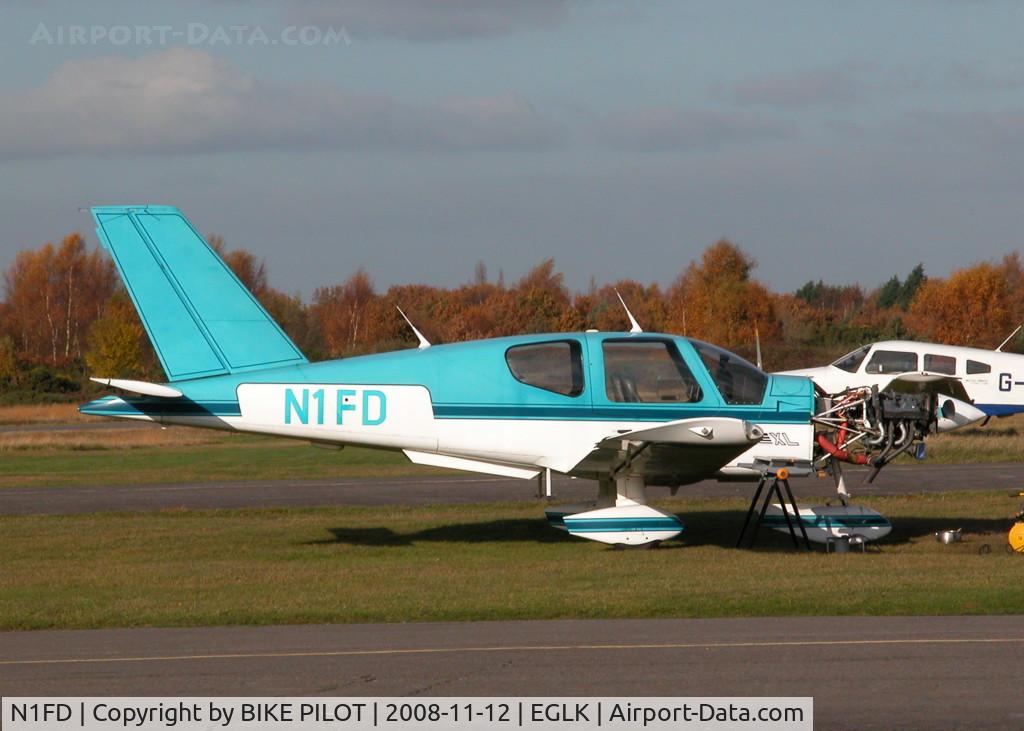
x: 865, y: 426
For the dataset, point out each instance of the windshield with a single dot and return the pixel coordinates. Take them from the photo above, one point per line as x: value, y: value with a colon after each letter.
x: 851, y: 361
x: 738, y: 381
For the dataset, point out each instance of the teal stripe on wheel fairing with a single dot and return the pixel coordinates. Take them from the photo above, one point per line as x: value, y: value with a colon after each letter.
x: 828, y: 521
x: 615, y: 525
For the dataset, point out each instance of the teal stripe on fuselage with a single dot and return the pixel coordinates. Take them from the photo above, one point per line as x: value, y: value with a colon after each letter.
x: 639, y: 412
x: 167, y: 407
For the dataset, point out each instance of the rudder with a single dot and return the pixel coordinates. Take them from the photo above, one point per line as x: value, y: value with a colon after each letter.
x: 201, y: 319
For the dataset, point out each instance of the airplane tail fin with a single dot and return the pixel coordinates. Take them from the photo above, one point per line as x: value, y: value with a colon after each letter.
x: 201, y: 319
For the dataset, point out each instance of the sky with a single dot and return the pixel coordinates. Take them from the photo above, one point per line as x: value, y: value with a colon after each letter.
x: 413, y: 138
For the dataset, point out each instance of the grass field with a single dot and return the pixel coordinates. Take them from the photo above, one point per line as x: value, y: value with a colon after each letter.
x: 117, y: 437
x: 1002, y: 440
x: 42, y: 414
x: 231, y: 458
x: 401, y: 564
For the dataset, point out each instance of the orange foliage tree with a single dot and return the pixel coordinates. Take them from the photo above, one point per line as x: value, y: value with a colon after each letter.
x: 343, y: 313
x: 978, y: 305
x: 539, y: 302
x: 715, y: 299
x: 600, y: 308
x: 53, y: 295
x: 63, y: 302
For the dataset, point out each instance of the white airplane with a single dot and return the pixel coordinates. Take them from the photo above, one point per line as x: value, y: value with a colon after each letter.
x: 627, y: 410
x: 966, y: 385
x: 990, y: 380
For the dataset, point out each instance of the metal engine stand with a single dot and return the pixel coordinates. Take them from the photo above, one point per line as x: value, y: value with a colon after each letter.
x: 775, y: 475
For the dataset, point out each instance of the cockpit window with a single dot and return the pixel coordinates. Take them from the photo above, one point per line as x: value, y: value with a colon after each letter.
x: 851, y: 361
x: 647, y: 371
x: 738, y: 381
x: 945, y: 364
x: 892, y: 361
x: 554, y: 366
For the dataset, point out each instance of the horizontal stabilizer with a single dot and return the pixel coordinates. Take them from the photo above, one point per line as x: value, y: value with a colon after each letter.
x: 469, y: 465
x: 139, y: 387
x: 200, y: 317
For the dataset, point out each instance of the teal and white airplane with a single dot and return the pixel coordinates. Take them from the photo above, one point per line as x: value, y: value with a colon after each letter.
x: 627, y: 409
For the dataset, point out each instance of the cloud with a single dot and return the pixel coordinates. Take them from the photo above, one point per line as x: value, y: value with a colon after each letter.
x: 185, y: 100
x: 667, y: 128
x: 805, y: 88
x: 974, y: 78
x: 431, y: 19
x: 1003, y: 128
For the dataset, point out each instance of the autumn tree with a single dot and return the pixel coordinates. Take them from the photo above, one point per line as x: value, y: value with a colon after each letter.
x: 10, y: 371
x: 974, y: 306
x: 1013, y: 274
x: 840, y: 301
x: 539, y: 302
x: 474, y: 311
x: 343, y: 312
x: 53, y: 296
x: 717, y: 300
x: 427, y: 307
x: 601, y: 309
x: 116, y: 341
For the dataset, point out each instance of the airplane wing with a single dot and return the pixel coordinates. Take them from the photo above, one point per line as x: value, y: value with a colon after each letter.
x: 929, y: 383
x: 674, y: 453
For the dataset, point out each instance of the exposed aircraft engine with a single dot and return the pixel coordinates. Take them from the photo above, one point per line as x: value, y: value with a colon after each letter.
x: 866, y: 426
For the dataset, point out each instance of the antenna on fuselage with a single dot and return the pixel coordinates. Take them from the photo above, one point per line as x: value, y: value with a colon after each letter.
x: 634, y: 326
x: 424, y: 343
x: 757, y: 343
x: 1000, y: 348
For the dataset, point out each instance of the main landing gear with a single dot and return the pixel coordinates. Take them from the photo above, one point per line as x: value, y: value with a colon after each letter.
x: 621, y: 516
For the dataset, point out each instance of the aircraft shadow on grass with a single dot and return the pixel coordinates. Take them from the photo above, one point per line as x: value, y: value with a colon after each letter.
x: 525, y: 530
x: 717, y: 528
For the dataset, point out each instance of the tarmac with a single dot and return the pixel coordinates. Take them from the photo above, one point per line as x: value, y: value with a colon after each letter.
x: 447, y: 489
x: 863, y: 672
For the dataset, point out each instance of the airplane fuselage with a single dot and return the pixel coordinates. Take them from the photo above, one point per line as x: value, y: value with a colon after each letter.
x: 462, y: 405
